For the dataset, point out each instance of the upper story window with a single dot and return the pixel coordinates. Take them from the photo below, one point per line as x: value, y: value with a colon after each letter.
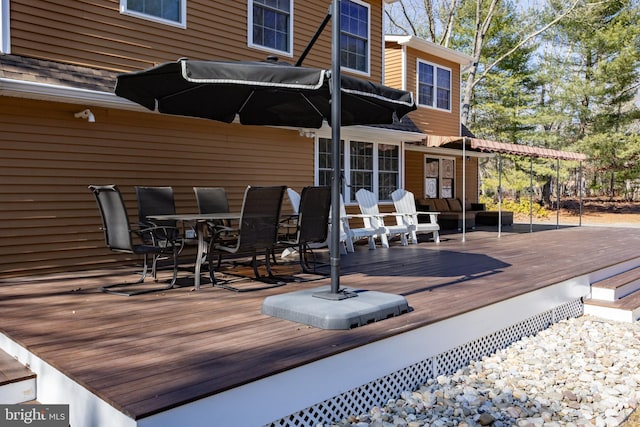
x: 173, y: 12
x: 354, y: 41
x: 434, y: 86
x: 271, y: 25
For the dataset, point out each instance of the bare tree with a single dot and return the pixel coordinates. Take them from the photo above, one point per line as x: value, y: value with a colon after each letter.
x: 441, y: 18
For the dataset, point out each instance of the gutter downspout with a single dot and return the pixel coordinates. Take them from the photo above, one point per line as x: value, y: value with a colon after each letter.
x: 5, y: 33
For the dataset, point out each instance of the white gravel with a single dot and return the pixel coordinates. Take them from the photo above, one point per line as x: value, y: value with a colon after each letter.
x: 578, y: 372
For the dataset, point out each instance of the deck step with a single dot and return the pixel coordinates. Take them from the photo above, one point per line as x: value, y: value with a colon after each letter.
x: 17, y: 382
x: 617, y: 286
x: 625, y: 309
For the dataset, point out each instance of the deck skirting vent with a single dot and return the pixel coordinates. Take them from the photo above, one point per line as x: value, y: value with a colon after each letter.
x: 376, y: 393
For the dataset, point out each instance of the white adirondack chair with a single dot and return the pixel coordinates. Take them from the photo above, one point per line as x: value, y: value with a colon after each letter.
x: 354, y: 234
x: 346, y: 244
x: 294, y: 198
x: 405, y: 204
x: 374, y: 219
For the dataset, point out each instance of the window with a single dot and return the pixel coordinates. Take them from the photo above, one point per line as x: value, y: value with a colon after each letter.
x: 271, y: 25
x: 434, y: 86
x: 439, y: 177
x: 354, y: 40
x: 360, y: 166
x: 369, y: 165
x: 166, y: 11
x: 388, y: 170
x: 325, y: 165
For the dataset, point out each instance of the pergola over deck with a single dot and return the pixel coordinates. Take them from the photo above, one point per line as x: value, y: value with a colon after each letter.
x: 465, y: 143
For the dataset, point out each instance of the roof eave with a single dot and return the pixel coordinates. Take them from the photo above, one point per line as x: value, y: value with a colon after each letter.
x: 431, y: 48
x: 57, y: 93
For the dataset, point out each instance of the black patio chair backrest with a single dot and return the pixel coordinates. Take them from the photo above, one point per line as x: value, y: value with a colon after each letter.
x: 115, y: 221
x: 260, y: 217
x: 211, y: 199
x: 313, y: 214
x: 157, y: 201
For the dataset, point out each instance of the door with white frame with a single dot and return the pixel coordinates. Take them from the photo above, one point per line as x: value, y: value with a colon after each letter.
x: 439, y: 177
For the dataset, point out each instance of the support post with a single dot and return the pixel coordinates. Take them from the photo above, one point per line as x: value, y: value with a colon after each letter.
x: 580, y: 191
x: 530, y: 194
x: 464, y: 189
x: 557, y: 193
x: 499, y: 195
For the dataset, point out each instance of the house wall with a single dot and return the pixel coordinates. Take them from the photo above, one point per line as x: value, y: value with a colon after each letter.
x: 430, y: 120
x: 49, y: 220
x: 414, y: 175
x: 393, y: 66
x: 94, y: 33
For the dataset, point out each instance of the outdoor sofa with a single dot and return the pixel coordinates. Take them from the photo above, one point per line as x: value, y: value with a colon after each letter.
x: 451, y: 215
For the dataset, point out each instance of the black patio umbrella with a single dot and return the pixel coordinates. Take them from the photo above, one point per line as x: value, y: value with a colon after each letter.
x: 260, y: 93
x: 276, y: 94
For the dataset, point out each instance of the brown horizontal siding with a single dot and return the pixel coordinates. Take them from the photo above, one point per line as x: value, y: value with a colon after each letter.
x: 471, y: 193
x: 48, y: 218
x: 95, y: 33
x: 393, y: 68
x: 414, y: 172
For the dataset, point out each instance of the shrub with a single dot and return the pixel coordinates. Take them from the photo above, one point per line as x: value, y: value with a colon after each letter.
x: 521, y: 207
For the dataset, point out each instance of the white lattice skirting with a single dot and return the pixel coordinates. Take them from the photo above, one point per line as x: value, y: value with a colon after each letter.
x: 378, y: 392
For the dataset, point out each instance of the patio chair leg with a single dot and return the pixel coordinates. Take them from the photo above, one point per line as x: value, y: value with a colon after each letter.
x: 304, y: 260
x: 372, y: 242
x: 111, y: 289
x: 212, y: 271
x: 267, y: 254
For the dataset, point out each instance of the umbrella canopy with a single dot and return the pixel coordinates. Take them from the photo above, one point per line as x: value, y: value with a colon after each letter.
x: 260, y: 93
x: 271, y: 93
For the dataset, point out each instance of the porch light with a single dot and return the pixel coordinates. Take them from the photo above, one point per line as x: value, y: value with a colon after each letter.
x: 85, y: 114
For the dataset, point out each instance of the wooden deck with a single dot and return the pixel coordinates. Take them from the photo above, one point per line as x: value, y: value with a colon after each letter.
x: 149, y: 353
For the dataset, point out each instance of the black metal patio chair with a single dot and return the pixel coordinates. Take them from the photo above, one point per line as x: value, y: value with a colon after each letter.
x: 257, y: 231
x: 158, y: 201
x: 119, y: 237
x: 214, y: 200
x: 312, y: 224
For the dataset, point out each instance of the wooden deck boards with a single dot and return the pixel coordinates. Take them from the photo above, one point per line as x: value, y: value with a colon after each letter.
x: 147, y: 353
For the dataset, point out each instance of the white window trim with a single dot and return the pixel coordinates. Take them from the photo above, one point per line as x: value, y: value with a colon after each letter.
x: 5, y: 35
x: 347, y: 165
x: 366, y: 73
x: 253, y: 45
x: 435, y: 85
x: 183, y: 14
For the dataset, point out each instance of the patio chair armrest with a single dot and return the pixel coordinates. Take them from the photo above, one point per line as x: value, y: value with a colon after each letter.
x: 349, y: 216
x: 162, y: 235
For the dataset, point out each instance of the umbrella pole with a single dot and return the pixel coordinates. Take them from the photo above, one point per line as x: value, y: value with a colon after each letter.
x: 336, y: 104
x: 336, y: 108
